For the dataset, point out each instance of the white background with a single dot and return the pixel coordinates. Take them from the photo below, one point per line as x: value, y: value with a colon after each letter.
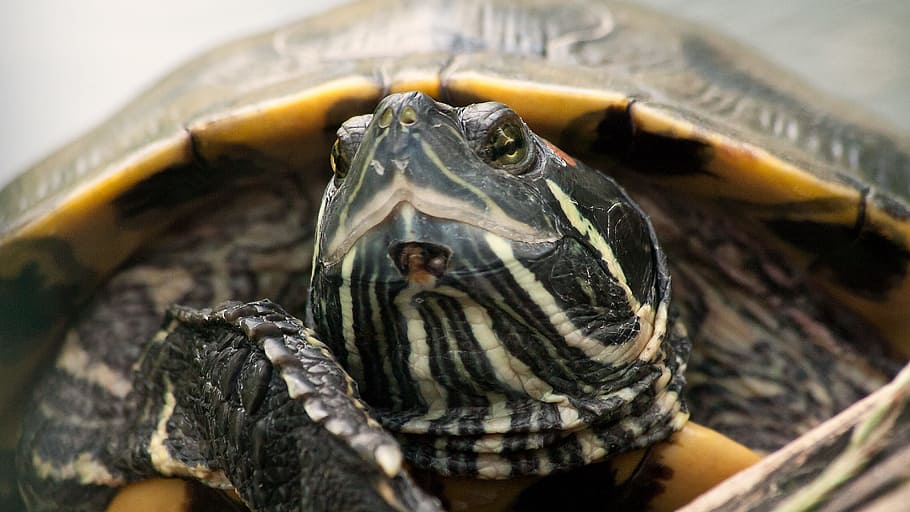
x: 67, y: 65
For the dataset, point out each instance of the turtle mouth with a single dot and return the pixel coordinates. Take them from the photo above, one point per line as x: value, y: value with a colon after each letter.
x: 409, y: 247
x: 420, y: 261
x: 406, y: 199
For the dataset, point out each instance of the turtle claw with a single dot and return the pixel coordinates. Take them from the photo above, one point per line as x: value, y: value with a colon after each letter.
x: 274, y: 411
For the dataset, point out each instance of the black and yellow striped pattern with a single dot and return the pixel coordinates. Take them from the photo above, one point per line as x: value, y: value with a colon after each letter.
x: 542, y: 346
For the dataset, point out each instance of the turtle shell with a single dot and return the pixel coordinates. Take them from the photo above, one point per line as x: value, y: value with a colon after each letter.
x: 665, y: 100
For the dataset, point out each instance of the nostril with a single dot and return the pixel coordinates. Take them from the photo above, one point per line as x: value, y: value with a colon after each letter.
x: 408, y: 116
x: 385, y: 119
x: 419, y: 260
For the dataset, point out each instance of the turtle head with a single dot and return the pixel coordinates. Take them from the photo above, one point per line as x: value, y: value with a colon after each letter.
x: 422, y: 177
x: 476, y: 282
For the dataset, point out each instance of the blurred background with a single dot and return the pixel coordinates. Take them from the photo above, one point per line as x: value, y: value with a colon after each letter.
x: 66, y: 66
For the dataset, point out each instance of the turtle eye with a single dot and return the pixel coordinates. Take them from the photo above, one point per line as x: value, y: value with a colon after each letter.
x: 507, y: 145
x: 350, y: 134
x: 499, y: 137
x: 339, y: 160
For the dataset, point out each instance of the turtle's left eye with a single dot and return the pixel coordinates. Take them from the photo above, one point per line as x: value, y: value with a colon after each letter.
x: 507, y: 145
x: 499, y: 137
x: 339, y: 160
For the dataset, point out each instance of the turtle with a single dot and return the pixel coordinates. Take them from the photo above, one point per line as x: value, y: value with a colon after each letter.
x: 459, y: 314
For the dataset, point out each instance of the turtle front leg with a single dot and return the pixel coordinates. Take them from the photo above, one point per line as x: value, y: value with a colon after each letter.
x: 245, y: 397
x: 248, y: 391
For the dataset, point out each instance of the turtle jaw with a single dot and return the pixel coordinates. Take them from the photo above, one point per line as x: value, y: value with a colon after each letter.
x: 411, y: 247
x: 403, y: 197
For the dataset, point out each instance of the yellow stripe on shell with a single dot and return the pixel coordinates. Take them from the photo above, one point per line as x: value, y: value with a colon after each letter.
x: 289, y: 127
x: 746, y: 172
x: 87, y: 219
x: 543, y: 106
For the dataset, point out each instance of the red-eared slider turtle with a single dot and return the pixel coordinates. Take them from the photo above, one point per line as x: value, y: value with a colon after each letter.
x: 468, y: 312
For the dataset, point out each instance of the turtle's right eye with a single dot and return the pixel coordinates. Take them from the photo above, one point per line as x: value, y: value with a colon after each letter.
x: 339, y: 160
